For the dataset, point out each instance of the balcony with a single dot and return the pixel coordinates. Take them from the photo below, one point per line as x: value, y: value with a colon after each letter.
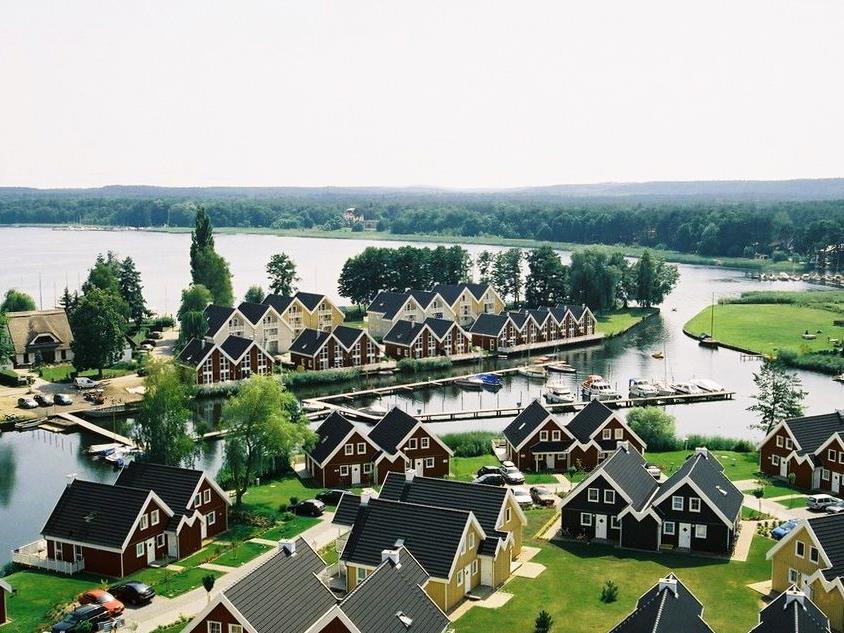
x: 35, y: 555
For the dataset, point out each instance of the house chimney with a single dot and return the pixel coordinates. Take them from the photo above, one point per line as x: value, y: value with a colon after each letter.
x: 701, y: 450
x: 71, y: 477
x: 623, y: 444
x: 365, y: 497
x: 287, y: 546
x: 669, y: 583
x: 409, y: 474
x: 793, y: 594
x: 391, y: 555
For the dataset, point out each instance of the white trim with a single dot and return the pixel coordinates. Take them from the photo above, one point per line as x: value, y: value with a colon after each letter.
x: 623, y: 426
x: 807, y: 524
x: 345, y: 440
x: 598, y: 472
x: 334, y: 612
x: 690, y: 482
x: 775, y: 430
x: 221, y: 599
x: 832, y: 438
x: 539, y: 426
x: 150, y: 497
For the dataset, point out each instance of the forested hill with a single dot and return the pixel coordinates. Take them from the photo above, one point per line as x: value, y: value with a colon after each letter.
x: 728, y: 218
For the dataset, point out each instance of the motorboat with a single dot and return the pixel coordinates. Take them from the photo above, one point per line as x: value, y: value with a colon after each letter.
x: 706, y: 384
x: 470, y: 382
x: 839, y: 378
x: 490, y: 381
x: 663, y: 388
x: 542, y: 359
x: 686, y: 388
x: 561, y: 367
x: 596, y: 388
x: 641, y: 388
x: 119, y: 456
x: 375, y: 410
x: 533, y: 372
x: 658, y: 355
x: 103, y: 449
x: 558, y: 394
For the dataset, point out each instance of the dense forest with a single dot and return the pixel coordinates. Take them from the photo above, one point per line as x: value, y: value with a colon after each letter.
x: 733, y: 227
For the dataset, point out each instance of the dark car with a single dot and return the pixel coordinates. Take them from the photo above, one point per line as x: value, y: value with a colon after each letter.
x: 488, y: 470
x: 44, y: 399
x: 309, y: 508
x: 75, y: 621
x: 133, y: 592
x: 330, y: 497
x: 490, y: 479
x: 63, y: 398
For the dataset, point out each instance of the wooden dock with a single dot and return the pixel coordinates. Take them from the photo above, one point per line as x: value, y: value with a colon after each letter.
x: 75, y: 421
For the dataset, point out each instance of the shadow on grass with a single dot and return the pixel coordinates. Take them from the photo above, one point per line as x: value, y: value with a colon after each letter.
x: 666, y: 559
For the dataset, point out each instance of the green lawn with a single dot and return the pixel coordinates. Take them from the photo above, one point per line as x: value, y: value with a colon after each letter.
x: 61, y: 373
x: 620, y: 320
x: 765, y: 328
x: 737, y: 466
x: 243, y: 553
x: 289, y: 529
x: 171, y: 584
x: 266, y: 498
x: 329, y: 553
x: 466, y: 469
x: 36, y: 595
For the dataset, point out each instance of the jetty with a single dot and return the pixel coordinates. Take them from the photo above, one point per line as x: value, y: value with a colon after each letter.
x: 69, y: 420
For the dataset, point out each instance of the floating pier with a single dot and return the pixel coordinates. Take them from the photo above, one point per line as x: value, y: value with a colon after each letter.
x: 75, y: 421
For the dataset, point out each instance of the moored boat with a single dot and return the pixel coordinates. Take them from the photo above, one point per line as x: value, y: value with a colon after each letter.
x: 558, y: 394
x: 596, y: 388
x: 686, y: 388
x: 706, y: 384
x: 533, y: 372
x: 561, y: 367
x: 470, y: 382
x: 641, y: 388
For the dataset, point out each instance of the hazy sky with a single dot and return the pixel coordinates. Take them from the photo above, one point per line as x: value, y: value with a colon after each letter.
x: 451, y: 93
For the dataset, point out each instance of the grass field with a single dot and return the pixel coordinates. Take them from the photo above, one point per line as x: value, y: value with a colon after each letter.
x: 466, y: 469
x: 171, y: 584
x: 766, y: 328
x: 222, y: 553
x: 61, y: 373
x: 290, y: 528
x: 621, y: 320
x: 35, y: 596
x: 737, y: 466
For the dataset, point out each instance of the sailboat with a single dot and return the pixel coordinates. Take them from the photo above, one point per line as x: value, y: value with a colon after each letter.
x: 709, y: 340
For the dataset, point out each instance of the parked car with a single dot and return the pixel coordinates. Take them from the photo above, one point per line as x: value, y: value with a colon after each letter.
x: 783, y: 529
x: 133, y: 592
x: 309, y: 508
x: 330, y: 497
x: 84, y: 383
x: 654, y: 471
x: 835, y: 508
x: 523, y: 497
x: 508, y: 463
x: 148, y: 341
x: 490, y: 479
x: 512, y: 475
x: 820, y: 502
x: 488, y: 470
x: 146, y: 347
x: 44, y: 399
x: 155, y: 335
x: 63, y: 398
x: 27, y: 403
x: 104, y: 598
x: 76, y: 620
x: 542, y: 496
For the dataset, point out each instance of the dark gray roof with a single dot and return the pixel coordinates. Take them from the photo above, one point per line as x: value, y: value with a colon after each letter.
x: 518, y: 318
x: 279, y: 302
x: 450, y: 292
x: 706, y: 472
x: 392, y: 429
x: 347, y: 336
x: 792, y: 612
x: 424, y: 297
x: 388, y: 302
x: 309, y: 342
x: 391, y: 590
x: 236, y: 346
x: 558, y: 313
x: 432, y: 534
x: 440, y: 327
x: 489, y: 324
x: 217, y: 317
x: 813, y: 431
x: 174, y: 485
x: 347, y: 510
x: 626, y: 467
x: 195, y: 351
x: 526, y: 423
x: 283, y: 594
x: 588, y: 420
x: 254, y: 312
x: 661, y: 610
x: 485, y: 502
x: 830, y: 532
x: 330, y: 433
x: 403, y: 332
x: 99, y: 514
x: 539, y: 314
x: 577, y: 311
x: 309, y: 299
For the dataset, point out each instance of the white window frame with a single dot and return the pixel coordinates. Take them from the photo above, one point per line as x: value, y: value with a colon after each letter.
x: 154, y: 517
x: 814, y: 554
x: 700, y: 531
x: 474, y: 567
x: 367, y: 468
x: 508, y: 514
x: 619, y: 434
x: 797, y: 547
x: 825, y: 474
x: 215, y: 627
x: 206, y: 495
x: 429, y: 462
x: 669, y: 528
x: 831, y: 454
x: 609, y: 496
x: 197, y: 500
x: 793, y: 576
x: 779, y: 441
x: 144, y: 522
x: 606, y: 434
x: 788, y: 443
x: 139, y: 550
x: 411, y: 444
x: 471, y: 540
x: 235, y: 628
x: 425, y: 442
x: 344, y: 470
x: 361, y: 448
x: 543, y: 436
x: 615, y: 524
x: 159, y: 540
x: 349, y: 449
x: 585, y: 519
x: 597, y: 494
x: 679, y: 507
x: 775, y: 460
x: 694, y: 504
x: 211, y: 518
x: 555, y: 436
x: 841, y: 457
x: 361, y: 575
x: 460, y: 578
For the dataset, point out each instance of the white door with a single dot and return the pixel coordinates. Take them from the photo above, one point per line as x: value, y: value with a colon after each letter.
x: 355, y: 474
x: 805, y: 586
x: 836, y: 482
x: 467, y: 578
x: 150, y: 551
x: 783, y: 468
x: 77, y: 553
x: 203, y: 527
x: 685, y: 539
x: 600, y: 526
x: 420, y: 466
x: 549, y: 461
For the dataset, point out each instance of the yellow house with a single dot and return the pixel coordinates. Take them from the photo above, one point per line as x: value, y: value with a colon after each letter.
x: 811, y: 557
x: 306, y: 310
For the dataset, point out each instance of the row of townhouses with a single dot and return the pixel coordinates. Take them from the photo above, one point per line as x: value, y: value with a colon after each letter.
x: 515, y: 330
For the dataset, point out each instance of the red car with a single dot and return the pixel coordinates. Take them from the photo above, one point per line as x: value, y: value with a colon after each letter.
x: 103, y: 598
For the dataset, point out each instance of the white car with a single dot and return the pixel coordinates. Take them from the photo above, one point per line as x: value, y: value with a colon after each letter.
x: 522, y: 496
x: 84, y: 383
x: 820, y: 502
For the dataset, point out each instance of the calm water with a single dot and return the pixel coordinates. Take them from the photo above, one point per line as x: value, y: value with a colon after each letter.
x: 33, y: 466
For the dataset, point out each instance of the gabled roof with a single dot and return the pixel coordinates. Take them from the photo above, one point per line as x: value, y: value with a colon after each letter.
x: 703, y: 471
x: 309, y: 299
x: 403, y: 332
x: 424, y: 297
x: 217, y: 317
x: 811, y: 432
x: 347, y: 510
x: 253, y: 312
x: 829, y: 530
x: 668, y: 607
x: 451, y: 292
x: 539, y: 314
x: 330, y: 434
x: 347, y: 336
x: 588, y: 420
x: 392, y: 429
x: 627, y: 468
x: 526, y: 423
x: 196, y: 351
x: 25, y: 326
x: 279, y: 302
x: 485, y: 502
x: 432, y: 534
x: 98, y: 514
x: 489, y: 324
x: 235, y: 346
x: 309, y: 342
x: 284, y: 594
x: 576, y: 311
x: 519, y: 319
x: 388, y: 302
x: 440, y: 327
x: 394, y: 590
x: 558, y: 313
x: 792, y: 612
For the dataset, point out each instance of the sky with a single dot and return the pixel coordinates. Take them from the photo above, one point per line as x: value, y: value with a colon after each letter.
x: 451, y: 93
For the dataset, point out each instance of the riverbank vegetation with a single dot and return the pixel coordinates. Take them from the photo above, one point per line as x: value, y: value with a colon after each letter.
x: 470, y: 443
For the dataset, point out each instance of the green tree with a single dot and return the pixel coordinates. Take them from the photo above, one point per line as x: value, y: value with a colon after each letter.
x: 201, y: 240
x: 545, y: 284
x: 17, y: 301
x: 131, y: 289
x: 6, y: 349
x: 507, y: 273
x: 282, y: 273
x: 484, y: 261
x: 654, y: 279
x: 543, y: 622
x: 208, y: 584
x: 162, y: 429
x: 255, y: 294
x: 191, y: 313
x: 779, y: 396
x: 215, y: 275
x: 655, y: 426
x: 265, y: 426
x: 99, y: 328
x: 105, y: 274
x: 593, y: 279
x: 364, y: 275
x: 68, y: 301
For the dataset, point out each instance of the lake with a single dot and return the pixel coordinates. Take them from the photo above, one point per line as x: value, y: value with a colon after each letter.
x: 34, y: 465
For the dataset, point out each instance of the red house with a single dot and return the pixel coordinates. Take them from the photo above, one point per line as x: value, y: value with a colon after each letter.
x: 406, y: 443
x: 432, y: 337
x: 343, y: 455
x: 236, y: 358
x: 342, y: 347
x: 4, y: 589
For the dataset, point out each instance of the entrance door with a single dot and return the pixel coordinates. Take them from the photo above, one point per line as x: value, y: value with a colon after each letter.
x: 77, y: 553
x: 684, y: 541
x: 836, y: 482
x: 355, y: 474
x: 203, y: 527
x: 783, y: 468
x: 549, y: 461
x: 420, y: 466
x: 805, y: 586
x: 467, y: 578
x: 600, y: 526
x: 150, y: 551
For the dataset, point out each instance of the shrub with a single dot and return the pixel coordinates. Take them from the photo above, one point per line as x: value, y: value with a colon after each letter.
x: 416, y: 365
x: 321, y: 377
x: 469, y: 444
x: 609, y: 592
x: 294, y: 501
x: 282, y: 508
x: 288, y: 516
x: 825, y: 361
x: 654, y: 426
x: 719, y: 443
x: 10, y: 378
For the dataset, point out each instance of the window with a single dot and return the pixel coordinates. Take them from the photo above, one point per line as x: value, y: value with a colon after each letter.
x: 153, y: 517
x: 831, y: 454
x: 215, y: 627
x: 471, y: 540
x: 609, y: 496
x: 677, y: 503
x: 614, y: 522
x: 813, y: 554
x: 429, y: 462
x: 606, y: 434
x: 425, y: 442
x: 555, y: 436
x: 159, y: 540
x: 585, y: 519
x: 211, y: 518
x: 474, y: 566
x: 139, y: 549
x: 788, y: 443
x: 362, y: 574
x: 841, y: 457
x: 800, y: 549
x: 361, y: 448
x: 411, y: 444
x: 508, y: 514
x: 460, y: 577
x: 668, y: 528
x: 367, y: 468
x: 779, y: 441
x: 543, y: 436
x: 206, y: 496
x: 824, y: 474
x: 594, y: 495
x: 344, y: 470
x: 349, y: 449
x: 694, y: 504
x: 197, y: 500
x: 144, y: 522
x: 700, y: 531
x: 619, y: 434
x: 775, y: 460
x: 235, y: 628
x: 793, y: 576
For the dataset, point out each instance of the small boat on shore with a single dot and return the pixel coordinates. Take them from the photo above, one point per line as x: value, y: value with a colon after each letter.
x: 33, y: 423
x: 561, y: 367
x: 838, y: 378
x: 533, y: 372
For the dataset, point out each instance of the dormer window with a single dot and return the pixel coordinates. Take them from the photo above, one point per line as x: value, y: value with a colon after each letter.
x: 677, y: 503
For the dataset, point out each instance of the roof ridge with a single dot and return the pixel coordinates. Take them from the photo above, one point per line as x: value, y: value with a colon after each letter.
x: 421, y: 505
x: 662, y: 596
